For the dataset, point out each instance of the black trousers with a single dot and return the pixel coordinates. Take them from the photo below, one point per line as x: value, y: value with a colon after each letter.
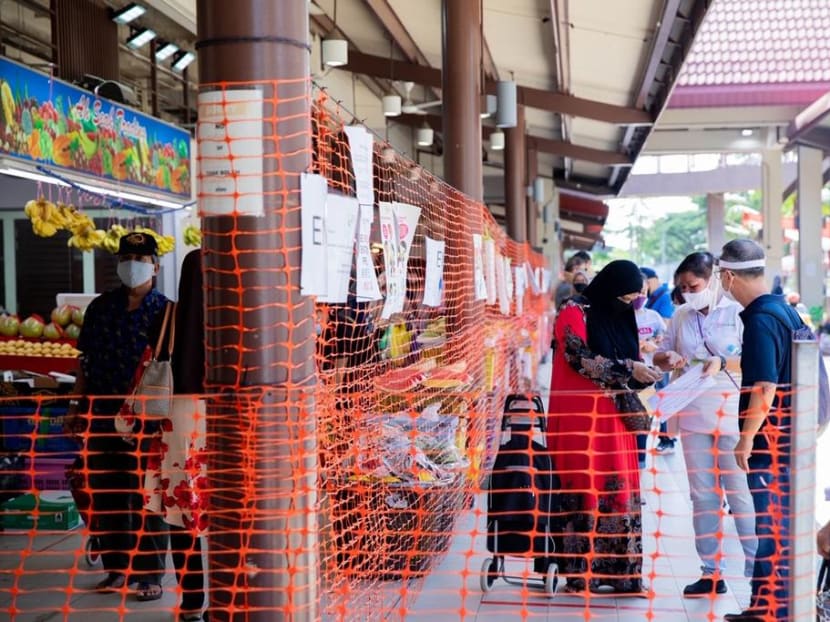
x: 186, y: 549
x: 132, y: 542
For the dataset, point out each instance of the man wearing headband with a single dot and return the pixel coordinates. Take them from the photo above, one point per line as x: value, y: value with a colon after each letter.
x: 765, y: 365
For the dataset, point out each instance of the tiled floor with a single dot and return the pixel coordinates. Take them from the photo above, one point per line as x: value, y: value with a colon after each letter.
x: 52, y: 580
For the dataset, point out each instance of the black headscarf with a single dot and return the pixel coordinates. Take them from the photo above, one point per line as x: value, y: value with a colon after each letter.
x: 612, y: 332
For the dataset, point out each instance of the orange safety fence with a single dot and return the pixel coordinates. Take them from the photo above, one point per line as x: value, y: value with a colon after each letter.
x: 344, y: 463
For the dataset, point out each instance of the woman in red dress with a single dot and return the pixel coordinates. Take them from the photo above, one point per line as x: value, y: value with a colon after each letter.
x: 596, y: 352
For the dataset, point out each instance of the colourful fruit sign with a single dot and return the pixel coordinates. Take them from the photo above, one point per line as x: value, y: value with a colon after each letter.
x: 51, y: 122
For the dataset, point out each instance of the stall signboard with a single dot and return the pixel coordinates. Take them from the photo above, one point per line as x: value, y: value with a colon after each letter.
x: 53, y: 123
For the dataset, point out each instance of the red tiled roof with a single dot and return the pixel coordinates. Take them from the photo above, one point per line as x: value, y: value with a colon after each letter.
x: 758, y: 52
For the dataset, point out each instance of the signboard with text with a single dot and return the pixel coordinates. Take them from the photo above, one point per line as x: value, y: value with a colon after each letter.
x: 55, y: 124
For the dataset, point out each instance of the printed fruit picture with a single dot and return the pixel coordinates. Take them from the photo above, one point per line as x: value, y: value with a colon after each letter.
x: 88, y: 134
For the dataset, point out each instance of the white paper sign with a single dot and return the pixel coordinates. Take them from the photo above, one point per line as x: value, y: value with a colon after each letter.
x: 501, y: 285
x: 367, y: 280
x: 360, y: 146
x: 341, y: 224
x: 490, y: 269
x: 230, y: 142
x: 398, y: 222
x: 521, y: 275
x: 508, y: 277
x: 313, y: 278
x: 434, y: 279
x: 530, y: 279
x: 680, y: 392
x: 478, y: 268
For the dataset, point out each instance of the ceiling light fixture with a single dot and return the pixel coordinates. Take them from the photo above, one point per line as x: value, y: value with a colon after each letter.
x: 165, y: 51
x: 128, y: 14
x: 391, y: 105
x: 183, y: 59
x: 506, y: 113
x: 335, y: 51
x: 746, y: 132
x: 497, y: 140
x: 140, y: 38
x: 489, y: 106
x: 424, y: 136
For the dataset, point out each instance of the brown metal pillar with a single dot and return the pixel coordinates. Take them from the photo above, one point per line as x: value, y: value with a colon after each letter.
x: 154, y: 81
x: 260, y: 332
x: 515, y: 172
x: 461, y: 91
x: 532, y: 206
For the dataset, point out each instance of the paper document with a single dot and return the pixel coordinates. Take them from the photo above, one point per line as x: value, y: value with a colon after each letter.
x: 679, y: 393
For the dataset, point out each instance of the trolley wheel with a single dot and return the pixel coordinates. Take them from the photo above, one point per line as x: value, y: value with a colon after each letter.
x: 91, y: 553
x: 489, y: 573
x: 551, y: 579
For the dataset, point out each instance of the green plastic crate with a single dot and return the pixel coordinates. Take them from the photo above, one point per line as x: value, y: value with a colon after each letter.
x: 51, y: 510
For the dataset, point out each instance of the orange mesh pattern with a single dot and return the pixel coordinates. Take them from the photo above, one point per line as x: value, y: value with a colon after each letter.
x: 361, y: 495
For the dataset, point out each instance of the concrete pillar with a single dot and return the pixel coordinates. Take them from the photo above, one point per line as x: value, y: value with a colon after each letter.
x: 461, y: 94
x: 810, y: 257
x: 515, y: 175
x: 715, y: 221
x: 772, y: 235
x: 259, y: 330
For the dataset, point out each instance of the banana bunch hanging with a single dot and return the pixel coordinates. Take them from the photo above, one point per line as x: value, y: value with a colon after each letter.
x: 112, y: 238
x: 166, y: 243
x: 43, y: 215
x: 192, y: 235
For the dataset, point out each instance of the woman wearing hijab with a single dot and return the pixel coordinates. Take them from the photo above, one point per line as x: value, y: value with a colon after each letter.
x: 596, y: 352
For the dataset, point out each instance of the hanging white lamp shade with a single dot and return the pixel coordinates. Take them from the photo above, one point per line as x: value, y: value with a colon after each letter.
x: 497, y: 140
x: 506, y: 103
x: 539, y: 190
x: 335, y: 52
x: 391, y: 105
x: 424, y: 136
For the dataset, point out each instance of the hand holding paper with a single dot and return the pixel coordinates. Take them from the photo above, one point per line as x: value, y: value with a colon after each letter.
x: 681, y: 392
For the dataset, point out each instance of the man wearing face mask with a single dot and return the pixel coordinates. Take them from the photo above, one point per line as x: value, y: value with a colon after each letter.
x: 118, y: 326
x: 761, y: 450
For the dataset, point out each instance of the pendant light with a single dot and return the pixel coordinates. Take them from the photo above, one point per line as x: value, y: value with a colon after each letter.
x: 506, y: 103
x: 497, y: 140
x: 335, y: 52
x: 392, y: 102
x: 424, y: 136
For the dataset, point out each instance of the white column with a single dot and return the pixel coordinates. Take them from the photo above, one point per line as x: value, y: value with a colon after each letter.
x: 715, y: 222
x: 772, y: 234
x: 9, y: 263
x: 810, y: 257
x: 88, y: 265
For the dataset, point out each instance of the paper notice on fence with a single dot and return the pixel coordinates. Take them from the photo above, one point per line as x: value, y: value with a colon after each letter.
x: 679, y: 393
x: 313, y: 279
x: 501, y: 285
x: 360, y: 147
x: 478, y: 268
x: 434, y: 279
x: 521, y: 275
x: 341, y: 225
x: 490, y: 269
x: 367, y: 280
x: 398, y: 222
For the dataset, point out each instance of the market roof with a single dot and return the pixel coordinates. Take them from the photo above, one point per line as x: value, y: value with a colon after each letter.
x: 758, y: 52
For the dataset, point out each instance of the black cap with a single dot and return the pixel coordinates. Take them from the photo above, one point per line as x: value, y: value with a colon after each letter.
x: 137, y: 243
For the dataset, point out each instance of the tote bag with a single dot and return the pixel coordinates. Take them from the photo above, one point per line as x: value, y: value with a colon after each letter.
x: 153, y: 392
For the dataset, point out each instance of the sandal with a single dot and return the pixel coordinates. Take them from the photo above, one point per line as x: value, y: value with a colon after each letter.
x: 148, y: 591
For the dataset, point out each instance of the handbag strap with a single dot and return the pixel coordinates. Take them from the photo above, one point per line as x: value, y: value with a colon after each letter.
x: 824, y: 575
x: 168, y: 308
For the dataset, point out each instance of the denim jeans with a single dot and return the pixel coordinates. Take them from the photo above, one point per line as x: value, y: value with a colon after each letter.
x: 713, y: 473
x: 770, y: 488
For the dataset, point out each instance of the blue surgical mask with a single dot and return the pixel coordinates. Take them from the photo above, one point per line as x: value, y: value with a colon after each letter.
x: 134, y: 273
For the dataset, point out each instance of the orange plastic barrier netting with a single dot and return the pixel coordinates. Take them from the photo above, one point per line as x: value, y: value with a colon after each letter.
x: 338, y: 462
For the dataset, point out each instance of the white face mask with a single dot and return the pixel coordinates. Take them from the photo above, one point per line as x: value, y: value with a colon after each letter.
x: 699, y: 300
x: 134, y: 273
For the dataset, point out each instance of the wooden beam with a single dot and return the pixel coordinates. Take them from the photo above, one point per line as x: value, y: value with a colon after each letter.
x: 540, y: 144
x: 552, y: 101
x: 491, y: 72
